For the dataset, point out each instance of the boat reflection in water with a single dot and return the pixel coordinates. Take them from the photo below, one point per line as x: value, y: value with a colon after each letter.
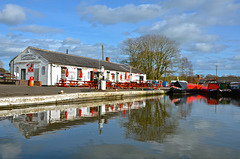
x: 180, y: 100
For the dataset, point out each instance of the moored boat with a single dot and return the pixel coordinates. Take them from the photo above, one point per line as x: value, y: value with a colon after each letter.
x: 182, y: 87
x: 235, y: 88
x: 210, y: 87
x: 225, y: 89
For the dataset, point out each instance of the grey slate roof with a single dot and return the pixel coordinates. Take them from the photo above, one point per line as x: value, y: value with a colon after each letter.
x: 80, y: 61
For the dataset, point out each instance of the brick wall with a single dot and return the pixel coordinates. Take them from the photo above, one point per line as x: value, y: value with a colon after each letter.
x: 22, y: 82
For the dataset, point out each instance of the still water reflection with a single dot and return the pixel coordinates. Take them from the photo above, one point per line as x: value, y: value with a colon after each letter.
x: 152, y: 127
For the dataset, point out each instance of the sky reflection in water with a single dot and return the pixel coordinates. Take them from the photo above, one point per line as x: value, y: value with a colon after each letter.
x: 152, y: 127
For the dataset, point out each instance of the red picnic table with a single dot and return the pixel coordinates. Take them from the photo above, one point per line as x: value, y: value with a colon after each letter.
x: 67, y: 83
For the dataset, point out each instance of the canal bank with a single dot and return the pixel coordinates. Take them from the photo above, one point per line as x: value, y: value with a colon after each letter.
x: 24, y: 95
x: 70, y: 105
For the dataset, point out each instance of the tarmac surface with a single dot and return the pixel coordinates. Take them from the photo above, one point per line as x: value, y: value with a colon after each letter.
x: 7, y: 90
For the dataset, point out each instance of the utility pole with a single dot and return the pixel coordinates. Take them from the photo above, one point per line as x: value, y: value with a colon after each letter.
x: 102, y: 52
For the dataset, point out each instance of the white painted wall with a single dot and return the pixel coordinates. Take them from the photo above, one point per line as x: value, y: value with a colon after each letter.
x: 71, y: 113
x: 53, y: 71
x: 22, y: 61
x: 53, y: 116
x: 54, y: 74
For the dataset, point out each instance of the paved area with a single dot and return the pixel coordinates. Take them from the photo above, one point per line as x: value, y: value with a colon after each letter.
x: 14, y: 90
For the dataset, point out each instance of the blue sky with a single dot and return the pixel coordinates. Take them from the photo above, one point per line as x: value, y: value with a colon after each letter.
x: 207, y: 31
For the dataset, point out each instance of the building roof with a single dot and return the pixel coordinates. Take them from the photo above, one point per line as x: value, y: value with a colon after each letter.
x: 80, y: 61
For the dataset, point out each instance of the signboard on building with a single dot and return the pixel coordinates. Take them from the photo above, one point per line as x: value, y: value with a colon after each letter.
x: 28, y: 57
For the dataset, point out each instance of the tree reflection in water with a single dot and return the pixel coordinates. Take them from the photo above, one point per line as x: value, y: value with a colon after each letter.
x: 153, y: 122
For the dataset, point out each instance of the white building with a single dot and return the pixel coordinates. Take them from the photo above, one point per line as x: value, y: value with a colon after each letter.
x: 49, y: 67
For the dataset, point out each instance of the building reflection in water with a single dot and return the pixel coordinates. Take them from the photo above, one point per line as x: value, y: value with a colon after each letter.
x: 33, y: 124
x: 149, y: 119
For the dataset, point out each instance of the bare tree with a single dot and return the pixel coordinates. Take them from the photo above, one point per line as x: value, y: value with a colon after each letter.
x: 152, y: 123
x: 153, y: 54
x: 2, y: 70
x: 1, y: 64
x: 186, y: 69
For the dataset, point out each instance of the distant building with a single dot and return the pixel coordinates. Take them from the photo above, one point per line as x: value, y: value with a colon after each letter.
x: 49, y: 67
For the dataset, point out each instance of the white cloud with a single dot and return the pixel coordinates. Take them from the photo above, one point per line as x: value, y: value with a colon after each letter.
x: 209, y: 63
x: 128, y: 13
x: 37, y: 29
x: 12, y: 45
x: 190, y: 36
x: 235, y: 58
x: 224, y: 12
x: 13, y: 50
x: 12, y: 15
x: 188, y: 22
x: 185, y: 32
x: 70, y: 40
x: 203, y: 47
x: 207, y: 48
x: 183, y: 4
x: 9, y: 46
x: 207, y: 12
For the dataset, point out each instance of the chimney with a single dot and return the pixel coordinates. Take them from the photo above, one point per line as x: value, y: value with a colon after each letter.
x: 107, y: 59
x: 67, y: 51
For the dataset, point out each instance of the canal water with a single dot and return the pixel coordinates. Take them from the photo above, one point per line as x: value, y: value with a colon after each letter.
x: 143, y: 127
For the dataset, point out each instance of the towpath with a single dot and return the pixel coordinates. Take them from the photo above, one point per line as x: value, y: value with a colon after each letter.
x: 18, y: 91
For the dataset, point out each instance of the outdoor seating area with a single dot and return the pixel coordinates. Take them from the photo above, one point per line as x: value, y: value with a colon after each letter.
x: 109, y: 84
x: 75, y: 83
x: 7, y: 78
x: 67, y: 83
